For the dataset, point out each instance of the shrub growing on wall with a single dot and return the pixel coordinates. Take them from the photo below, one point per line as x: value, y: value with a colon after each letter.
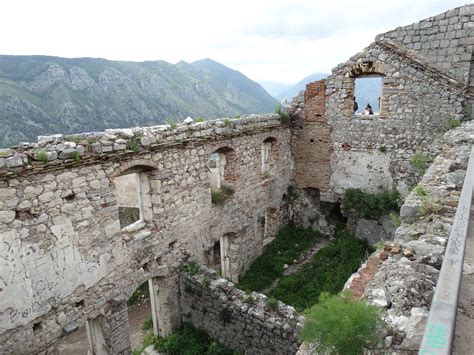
x: 365, y: 205
x: 190, y: 341
x: 342, y: 324
x: 421, y: 161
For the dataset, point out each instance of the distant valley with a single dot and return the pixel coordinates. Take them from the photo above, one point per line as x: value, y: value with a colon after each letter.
x: 285, y: 91
x: 44, y: 95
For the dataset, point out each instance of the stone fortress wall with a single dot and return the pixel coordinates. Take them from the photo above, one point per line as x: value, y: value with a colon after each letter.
x: 243, y: 322
x: 66, y: 260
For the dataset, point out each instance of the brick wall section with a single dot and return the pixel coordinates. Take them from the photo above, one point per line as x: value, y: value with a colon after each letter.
x: 312, y: 148
x: 251, y: 328
x: 116, y: 328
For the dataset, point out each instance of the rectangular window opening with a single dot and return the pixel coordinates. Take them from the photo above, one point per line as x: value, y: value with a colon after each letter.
x: 368, y: 93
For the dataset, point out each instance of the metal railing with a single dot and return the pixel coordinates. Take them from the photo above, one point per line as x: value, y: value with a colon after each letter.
x: 439, y: 331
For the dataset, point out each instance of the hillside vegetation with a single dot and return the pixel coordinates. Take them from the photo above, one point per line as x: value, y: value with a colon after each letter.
x: 45, y: 95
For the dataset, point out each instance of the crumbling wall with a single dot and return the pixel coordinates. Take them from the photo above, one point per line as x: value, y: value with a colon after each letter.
x: 64, y: 257
x: 312, y: 146
x: 418, y: 101
x: 409, y: 267
x: 228, y: 315
x: 444, y: 40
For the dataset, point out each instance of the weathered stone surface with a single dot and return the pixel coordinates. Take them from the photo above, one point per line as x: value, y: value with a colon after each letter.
x: 423, y: 88
x: 61, y: 217
x: 66, y: 231
x: 249, y: 327
x: 374, y: 231
x: 7, y: 216
x: 410, y: 274
x: 410, y: 211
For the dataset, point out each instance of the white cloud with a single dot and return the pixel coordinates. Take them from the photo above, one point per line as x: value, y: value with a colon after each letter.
x: 279, y: 40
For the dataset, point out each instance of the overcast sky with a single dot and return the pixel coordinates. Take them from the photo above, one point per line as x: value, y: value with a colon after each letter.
x: 278, y: 40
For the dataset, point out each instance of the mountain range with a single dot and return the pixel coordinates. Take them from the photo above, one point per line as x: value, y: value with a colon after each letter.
x: 45, y: 95
x: 285, y: 92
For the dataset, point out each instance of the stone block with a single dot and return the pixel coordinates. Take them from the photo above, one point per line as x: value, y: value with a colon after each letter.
x: 16, y: 160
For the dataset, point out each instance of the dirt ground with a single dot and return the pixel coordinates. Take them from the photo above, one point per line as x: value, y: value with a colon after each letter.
x: 77, y: 343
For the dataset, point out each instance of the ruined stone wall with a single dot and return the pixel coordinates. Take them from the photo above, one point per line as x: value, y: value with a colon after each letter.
x: 405, y: 277
x: 226, y: 314
x: 64, y: 258
x: 418, y: 100
x: 445, y: 40
x: 372, y: 152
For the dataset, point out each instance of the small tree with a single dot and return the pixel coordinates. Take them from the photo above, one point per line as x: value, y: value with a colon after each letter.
x: 340, y: 324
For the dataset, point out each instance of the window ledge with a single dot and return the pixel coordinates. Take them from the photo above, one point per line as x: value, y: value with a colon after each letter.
x: 135, y: 231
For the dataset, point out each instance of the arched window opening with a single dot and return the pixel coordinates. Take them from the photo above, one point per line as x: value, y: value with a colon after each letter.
x: 368, y: 95
x: 269, y: 156
x: 216, y: 164
x: 221, y: 166
x: 132, y: 191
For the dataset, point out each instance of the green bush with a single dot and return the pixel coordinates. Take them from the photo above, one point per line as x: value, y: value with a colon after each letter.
x: 266, y: 175
x: 190, y: 341
x: 287, y: 246
x: 430, y: 204
x: 339, y: 324
x: 75, y: 156
x: 395, y: 219
x: 364, y: 205
x: 227, y: 122
x: 140, y: 293
x: 149, y: 340
x: 218, y: 197
x: 41, y: 156
x: 328, y: 271
x: 173, y: 123
x: 420, y: 161
x: 420, y: 191
x: 249, y: 299
x: 452, y: 123
x: 191, y: 267
x: 134, y: 144
x: 284, y: 116
x: 147, y: 324
x: 380, y: 245
x: 272, y: 303
x: 199, y: 119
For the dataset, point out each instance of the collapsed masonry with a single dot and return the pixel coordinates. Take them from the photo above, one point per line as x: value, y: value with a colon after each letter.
x: 74, y: 245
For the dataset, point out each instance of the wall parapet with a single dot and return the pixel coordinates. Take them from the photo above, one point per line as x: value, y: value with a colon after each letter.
x: 56, y: 152
x: 241, y: 321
